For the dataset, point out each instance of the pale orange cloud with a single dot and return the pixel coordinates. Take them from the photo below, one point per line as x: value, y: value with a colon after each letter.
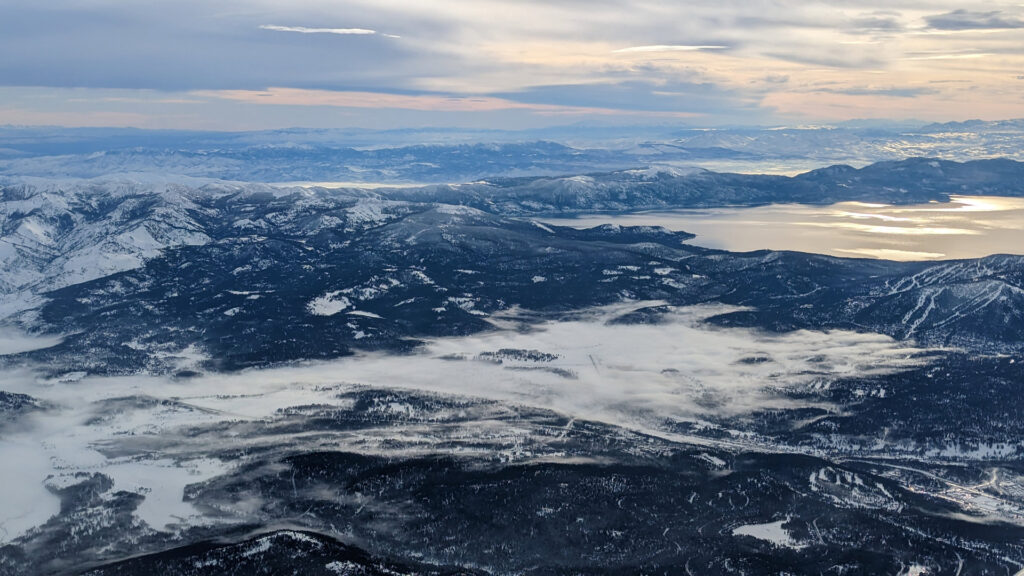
x: 421, y: 102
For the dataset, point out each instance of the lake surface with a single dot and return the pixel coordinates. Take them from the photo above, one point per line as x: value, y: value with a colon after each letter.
x: 966, y: 227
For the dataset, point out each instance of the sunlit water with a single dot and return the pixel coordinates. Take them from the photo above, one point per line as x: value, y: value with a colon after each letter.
x: 966, y: 227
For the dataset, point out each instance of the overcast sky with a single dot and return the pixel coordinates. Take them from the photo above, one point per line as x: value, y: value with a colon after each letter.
x: 246, y: 64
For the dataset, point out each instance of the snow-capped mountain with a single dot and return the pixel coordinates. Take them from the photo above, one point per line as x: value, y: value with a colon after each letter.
x: 911, y: 181
x: 205, y: 374
x: 117, y: 262
x: 55, y: 235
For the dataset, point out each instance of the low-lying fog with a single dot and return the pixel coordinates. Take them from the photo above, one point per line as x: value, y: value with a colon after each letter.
x: 966, y: 227
x: 639, y: 376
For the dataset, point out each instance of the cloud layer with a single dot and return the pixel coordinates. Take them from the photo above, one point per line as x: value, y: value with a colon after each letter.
x: 971, y: 20
x: 632, y: 53
x: 643, y: 377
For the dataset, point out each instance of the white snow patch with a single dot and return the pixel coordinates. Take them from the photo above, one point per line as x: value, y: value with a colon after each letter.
x: 542, y: 227
x: 344, y: 568
x: 368, y: 212
x: 713, y: 460
x: 163, y: 483
x: 419, y: 275
x: 771, y: 532
x: 457, y: 209
x: 260, y: 546
x: 329, y: 304
x: 918, y: 569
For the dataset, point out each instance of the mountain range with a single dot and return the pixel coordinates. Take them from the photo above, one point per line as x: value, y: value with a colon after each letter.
x: 206, y: 376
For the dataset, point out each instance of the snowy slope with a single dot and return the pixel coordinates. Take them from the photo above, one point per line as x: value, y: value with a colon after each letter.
x: 58, y: 233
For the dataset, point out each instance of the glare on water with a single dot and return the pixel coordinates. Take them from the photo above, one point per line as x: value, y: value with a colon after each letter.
x: 965, y: 227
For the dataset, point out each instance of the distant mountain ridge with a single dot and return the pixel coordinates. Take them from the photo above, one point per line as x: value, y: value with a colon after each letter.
x: 56, y: 233
x: 917, y: 180
x: 446, y: 155
x: 230, y: 275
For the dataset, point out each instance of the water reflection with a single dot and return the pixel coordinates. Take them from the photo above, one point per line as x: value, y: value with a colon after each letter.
x: 965, y: 227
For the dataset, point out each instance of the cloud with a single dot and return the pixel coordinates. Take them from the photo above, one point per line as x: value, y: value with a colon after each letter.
x: 667, y: 48
x: 665, y: 96
x: 875, y: 24
x: 421, y: 102
x: 139, y: 430
x: 13, y: 341
x: 951, y: 56
x: 893, y: 92
x: 339, y: 31
x: 829, y: 58
x: 189, y: 45
x: 970, y: 20
x: 633, y: 56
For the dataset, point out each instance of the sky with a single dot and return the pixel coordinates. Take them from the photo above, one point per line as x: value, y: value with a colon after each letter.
x: 257, y: 64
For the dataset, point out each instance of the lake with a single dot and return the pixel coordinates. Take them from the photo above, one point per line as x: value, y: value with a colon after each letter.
x: 965, y: 227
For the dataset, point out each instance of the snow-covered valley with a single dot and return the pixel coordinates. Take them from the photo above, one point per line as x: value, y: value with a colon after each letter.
x: 304, y: 369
